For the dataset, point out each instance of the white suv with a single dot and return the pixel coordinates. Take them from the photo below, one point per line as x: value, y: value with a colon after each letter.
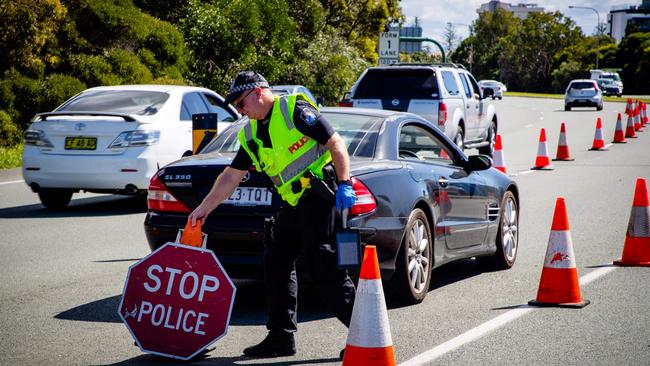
x: 445, y: 94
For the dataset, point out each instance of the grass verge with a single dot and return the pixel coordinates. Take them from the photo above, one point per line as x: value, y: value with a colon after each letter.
x: 622, y: 99
x: 10, y: 157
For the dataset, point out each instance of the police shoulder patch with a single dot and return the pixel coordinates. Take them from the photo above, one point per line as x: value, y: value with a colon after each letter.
x: 308, y: 116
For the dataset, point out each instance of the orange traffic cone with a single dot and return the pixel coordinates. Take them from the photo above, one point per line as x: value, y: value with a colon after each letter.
x: 619, y: 134
x: 369, y: 340
x: 628, y: 107
x: 645, y: 114
x: 562, y: 146
x: 499, y: 160
x: 637, y: 118
x: 559, y: 283
x: 542, y: 161
x: 599, y: 140
x: 630, y: 132
x: 636, y: 250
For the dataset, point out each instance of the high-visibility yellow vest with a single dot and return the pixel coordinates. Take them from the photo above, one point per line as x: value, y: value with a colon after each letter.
x: 292, y: 153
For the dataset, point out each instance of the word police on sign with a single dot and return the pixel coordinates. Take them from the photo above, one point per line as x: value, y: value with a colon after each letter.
x: 177, y: 301
x: 388, y: 47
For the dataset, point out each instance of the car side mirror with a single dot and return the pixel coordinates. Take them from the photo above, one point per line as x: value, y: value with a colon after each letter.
x: 320, y: 101
x: 477, y: 163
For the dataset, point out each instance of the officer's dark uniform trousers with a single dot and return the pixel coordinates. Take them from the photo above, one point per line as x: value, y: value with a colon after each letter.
x: 308, y: 228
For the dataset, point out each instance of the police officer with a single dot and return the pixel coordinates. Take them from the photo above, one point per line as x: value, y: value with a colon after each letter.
x: 289, y: 140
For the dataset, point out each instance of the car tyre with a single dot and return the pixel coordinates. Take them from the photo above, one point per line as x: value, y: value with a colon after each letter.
x: 599, y: 108
x: 55, y: 199
x: 507, y: 240
x: 567, y: 108
x: 410, y: 283
x: 500, y: 98
x: 459, y: 140
x: 491, y: 138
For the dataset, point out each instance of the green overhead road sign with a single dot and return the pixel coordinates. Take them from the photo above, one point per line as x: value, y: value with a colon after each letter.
x: 423, y: 39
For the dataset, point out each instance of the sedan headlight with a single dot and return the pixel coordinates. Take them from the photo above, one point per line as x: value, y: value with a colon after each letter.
x: 37, y: 138
x: 135, y: 138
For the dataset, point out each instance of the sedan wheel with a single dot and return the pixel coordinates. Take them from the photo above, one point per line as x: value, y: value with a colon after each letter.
x: 507, y: 240
x: 55, y: 199
x: 491, y: 139
x: 410, y: 283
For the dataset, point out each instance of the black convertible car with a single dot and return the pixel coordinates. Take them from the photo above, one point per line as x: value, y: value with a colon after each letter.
x: 420, y: 200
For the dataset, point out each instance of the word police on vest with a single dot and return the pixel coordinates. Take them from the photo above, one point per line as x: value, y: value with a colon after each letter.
x: 298, y: 144
x: 188, y: 286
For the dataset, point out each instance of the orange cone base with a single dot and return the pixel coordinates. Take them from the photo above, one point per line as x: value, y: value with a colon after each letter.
x: 380, y: 356
x: 575, y: 305
x: 598, y: 149
x: 619, y: 142
x: 636, y: 252
x: 623, y: 263
x: 563, y: 159
x: 547, y: 167
x: 559, y: 287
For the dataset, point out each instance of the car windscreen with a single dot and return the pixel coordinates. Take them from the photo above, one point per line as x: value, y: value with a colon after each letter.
x: 581, y: 85
x: 397, y: 83
x: 140, y: 102
x: 359, y: 132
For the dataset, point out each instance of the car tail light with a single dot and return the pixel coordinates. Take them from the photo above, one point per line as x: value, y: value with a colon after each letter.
x: 37, y: 138
x: 136, y: 138
x: 345, y: 103
x: 366, y: 202
x: 442, y: 114
x: 159, y: 198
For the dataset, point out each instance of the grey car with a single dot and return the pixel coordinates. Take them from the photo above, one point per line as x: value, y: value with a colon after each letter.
x: 583, y: 93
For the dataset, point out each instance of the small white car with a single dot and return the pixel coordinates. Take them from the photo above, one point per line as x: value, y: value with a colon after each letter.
x: 583, y: 93
x: 113, y: 139
x: 491, y: 88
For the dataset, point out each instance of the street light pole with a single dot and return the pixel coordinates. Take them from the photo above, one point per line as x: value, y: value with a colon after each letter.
x: 597, y: 27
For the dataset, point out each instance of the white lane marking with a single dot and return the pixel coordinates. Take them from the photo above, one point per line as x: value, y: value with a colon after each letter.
x: 608, y: 146
x: 529, y: 125
x: 491, y: 325
x: 526, y: 172
x: 12, y: 182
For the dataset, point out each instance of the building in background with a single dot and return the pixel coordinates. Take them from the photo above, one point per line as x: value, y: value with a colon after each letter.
x: 410, y: 31
x: 521, y: 10
x: 620, y: 17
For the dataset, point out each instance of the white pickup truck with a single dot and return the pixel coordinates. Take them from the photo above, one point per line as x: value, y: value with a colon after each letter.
x: 445, y: 94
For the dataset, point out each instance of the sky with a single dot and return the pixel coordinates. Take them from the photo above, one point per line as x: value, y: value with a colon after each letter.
x: 434, y: 14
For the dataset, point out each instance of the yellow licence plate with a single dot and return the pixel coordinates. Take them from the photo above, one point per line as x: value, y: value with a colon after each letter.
x: 80, y: 143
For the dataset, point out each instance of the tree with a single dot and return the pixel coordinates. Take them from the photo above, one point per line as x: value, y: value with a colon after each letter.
x: 633, y: 55
x: 451, y: 38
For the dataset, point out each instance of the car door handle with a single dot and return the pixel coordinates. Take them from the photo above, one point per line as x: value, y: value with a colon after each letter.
x: 443, y: 182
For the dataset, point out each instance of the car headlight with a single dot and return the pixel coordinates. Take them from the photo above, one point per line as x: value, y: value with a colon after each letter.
x: 37, y: 138
x: 135, y: 138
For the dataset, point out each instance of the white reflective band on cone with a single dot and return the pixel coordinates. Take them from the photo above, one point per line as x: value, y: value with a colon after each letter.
x: 499, y: 161
x: 638, y: 227
x: 599, y: 134
x: 542, y: 150
x: 559, y: 253
x: 562, y: 139
x: 369, y: 325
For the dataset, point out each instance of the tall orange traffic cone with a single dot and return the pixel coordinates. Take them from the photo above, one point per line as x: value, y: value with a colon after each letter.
x: 636, y: 250
x: 558, y: 285
x: 542, y: 161
x: 619, y: 134
x: 630, y: 132
x: 637, y: 118
x: 645, y: 115
x: 369, y: 340
x: 628, y: 107
x: 562, y: 146
x: 599, y: 140
x: 499, y: 160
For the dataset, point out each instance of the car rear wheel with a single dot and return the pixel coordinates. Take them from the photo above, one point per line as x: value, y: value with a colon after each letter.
x: 55, y: 199
x: 507, y: 240
x: 567, y: 108
x: 599, y: 108
x: 410, y: 283
x: 491, y: 138
x: 459, y: 140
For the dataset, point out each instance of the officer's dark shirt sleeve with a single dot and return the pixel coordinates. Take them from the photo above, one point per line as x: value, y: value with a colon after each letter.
x: 311, y: 123
x: 242, y: 160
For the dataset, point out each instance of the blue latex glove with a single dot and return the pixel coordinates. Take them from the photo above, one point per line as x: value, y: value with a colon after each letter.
x: 345, y: 196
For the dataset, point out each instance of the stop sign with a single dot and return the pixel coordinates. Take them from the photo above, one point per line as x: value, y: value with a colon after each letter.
x: 177, y: 301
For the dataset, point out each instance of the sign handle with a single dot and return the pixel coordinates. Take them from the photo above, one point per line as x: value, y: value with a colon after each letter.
x: 344, y: 218
x: 192, y: 235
